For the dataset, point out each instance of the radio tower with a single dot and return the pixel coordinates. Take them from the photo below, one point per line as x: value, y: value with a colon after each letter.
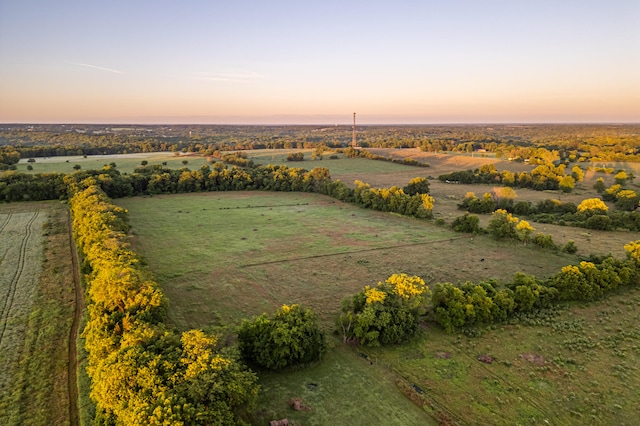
x: 353, y: 138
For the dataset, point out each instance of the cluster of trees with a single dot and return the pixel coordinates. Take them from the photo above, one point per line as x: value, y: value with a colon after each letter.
x: 623, y: 198
x: 9, y: 157
x: 385, y: 314
x: 141, y: 372
x: 389, y: 312
x: 394, y: 200
x: 503, y: 225
x: 591, y: 213
x: 544, y: 177
x: 471, y: 304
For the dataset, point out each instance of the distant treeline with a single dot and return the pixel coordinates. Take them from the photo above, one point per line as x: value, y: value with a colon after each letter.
x: 535, y: 143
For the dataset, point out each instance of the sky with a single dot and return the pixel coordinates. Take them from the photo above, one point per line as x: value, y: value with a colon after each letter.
x: 317, y: 62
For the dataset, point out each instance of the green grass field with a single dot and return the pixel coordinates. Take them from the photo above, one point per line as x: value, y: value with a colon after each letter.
x: 221, y: 257
x: 126, y: 163
x: 338, y: 166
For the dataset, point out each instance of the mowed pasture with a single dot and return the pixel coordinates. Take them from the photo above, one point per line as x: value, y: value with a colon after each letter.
x: 36, y: 302
x: 222, y: 257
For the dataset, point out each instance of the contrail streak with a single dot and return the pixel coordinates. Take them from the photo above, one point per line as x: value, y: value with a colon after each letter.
x: 98, y: 68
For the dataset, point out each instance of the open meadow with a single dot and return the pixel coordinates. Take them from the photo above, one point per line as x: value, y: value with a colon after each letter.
x: 37, y: 302
x: 126, y: 163
x: 221, y: 257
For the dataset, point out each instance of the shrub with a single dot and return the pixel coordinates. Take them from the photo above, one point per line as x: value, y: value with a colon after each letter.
x: 503, y: 225
x: 418, y: 185
x: 291, y: 337
x: 469, y: 223
x: 570, y: 247
x: 544, y: 241
x: 295, y: 156
x: 599, y: 221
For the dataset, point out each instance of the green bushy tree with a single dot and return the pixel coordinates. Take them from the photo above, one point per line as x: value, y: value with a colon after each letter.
x: 291, y: 337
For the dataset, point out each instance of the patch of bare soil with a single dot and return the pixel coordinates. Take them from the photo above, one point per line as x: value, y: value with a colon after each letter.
x: 298, y: 404
x: 533, y: 358
x: 487, y: 359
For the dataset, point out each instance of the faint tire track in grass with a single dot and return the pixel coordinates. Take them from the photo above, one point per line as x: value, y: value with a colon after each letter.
x: 6, y: 221
x: 366, y: 250
x: 13, y: 284
x: 73, y: 334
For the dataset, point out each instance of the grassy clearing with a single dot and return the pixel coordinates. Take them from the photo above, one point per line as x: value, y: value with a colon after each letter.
x: 34, y: 351
x: 342, y: 389
x: 339, y: 166
x: 238, y: 254
x: 126, y: 163
x: 577, y: 368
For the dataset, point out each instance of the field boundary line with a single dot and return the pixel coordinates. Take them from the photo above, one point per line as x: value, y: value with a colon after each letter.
x: 260, y: 206
x: 317, y: 256
x: 13, y: 284
x: 73, y: 333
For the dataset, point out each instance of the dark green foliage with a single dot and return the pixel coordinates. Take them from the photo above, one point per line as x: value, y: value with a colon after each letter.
x: 570, y: 247
x: 599, y: 221
x: 545, y: 241
x: 291, y: 337
x: 295, y: 156
x: 471, y: 304
x: 468, y: 223
x: 522, y: 208
x: 417, y: 186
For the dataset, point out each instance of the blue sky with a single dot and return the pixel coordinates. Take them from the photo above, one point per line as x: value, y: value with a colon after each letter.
x: 273, y: 62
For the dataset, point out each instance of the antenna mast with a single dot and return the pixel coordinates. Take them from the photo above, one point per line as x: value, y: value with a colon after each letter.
x: 353, y: 138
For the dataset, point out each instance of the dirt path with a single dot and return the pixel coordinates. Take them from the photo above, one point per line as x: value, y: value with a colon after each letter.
x: 73, y: 334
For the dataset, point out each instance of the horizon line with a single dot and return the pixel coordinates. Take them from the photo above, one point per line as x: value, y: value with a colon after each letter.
x: 331, y: 124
